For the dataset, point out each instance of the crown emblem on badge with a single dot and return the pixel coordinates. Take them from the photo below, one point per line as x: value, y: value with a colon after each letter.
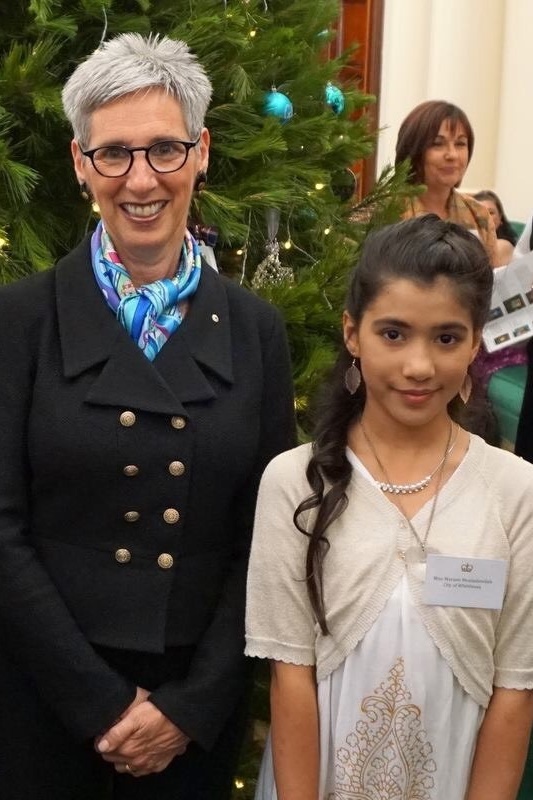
x: 466, y: 567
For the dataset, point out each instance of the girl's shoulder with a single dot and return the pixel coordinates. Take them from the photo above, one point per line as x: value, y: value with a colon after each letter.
x: 502, y: 469
x: 289, y: 467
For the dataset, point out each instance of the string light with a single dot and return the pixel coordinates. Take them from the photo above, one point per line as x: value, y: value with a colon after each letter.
x: 239, y: 784
x: 287, y: 245
x: 319, y: 186
x: 252, y: 34
x: 240, y: 252
x: 327, y: 231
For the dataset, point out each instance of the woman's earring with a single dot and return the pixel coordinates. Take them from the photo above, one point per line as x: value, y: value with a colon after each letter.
x: 200, y: 182
x: 84, y: 191
x: 352, y: 378
x: 466, y: 389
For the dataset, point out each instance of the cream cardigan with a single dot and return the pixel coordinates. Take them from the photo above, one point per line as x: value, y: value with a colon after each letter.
x: 484, y: 510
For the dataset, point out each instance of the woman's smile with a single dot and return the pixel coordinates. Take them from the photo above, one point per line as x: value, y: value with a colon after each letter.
x: 143, y: 210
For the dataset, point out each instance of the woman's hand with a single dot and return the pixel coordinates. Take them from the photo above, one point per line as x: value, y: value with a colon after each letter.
x: 143, y: 741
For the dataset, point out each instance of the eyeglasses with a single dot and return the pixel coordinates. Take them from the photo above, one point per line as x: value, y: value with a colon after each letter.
x: 115, y: 160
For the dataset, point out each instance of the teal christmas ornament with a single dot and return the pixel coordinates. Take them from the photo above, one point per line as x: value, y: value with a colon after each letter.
x: 278, y: 105
x: 334, y: 98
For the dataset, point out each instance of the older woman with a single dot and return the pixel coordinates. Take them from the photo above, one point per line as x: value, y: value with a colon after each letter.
x: 438, y: 139
x: 142, y: 396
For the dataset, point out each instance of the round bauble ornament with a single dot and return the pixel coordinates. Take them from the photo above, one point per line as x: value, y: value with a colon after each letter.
x: 334, y: 98
x: 278, y: 105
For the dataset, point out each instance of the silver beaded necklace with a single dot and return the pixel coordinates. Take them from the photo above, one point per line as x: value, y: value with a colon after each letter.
x: 409, y: 488
x: 418, y: 553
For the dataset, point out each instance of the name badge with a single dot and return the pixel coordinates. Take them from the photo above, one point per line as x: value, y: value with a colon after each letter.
x: 465, y: 582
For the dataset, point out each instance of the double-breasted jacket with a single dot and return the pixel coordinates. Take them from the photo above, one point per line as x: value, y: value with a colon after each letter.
x: 127, y: 490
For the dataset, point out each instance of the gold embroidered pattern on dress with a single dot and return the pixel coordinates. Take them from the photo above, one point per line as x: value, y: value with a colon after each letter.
x: 388, y: 756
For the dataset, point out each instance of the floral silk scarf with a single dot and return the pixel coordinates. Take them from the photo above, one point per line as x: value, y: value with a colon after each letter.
x: 150, y: 313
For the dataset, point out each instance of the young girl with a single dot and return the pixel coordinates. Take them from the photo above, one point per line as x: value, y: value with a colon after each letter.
x: 390, y: 575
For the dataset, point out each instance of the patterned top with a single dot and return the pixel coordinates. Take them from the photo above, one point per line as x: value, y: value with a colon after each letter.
x: 465, y: 211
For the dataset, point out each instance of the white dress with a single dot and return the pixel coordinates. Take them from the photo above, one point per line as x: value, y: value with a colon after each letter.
x: 394, y: 722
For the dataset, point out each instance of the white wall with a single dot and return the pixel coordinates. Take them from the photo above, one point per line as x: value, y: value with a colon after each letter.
x: 514, y: 152
x: 474, y: 53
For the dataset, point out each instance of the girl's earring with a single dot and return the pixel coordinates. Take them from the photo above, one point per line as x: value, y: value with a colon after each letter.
x: 466, y: 389
x: 352, y: 378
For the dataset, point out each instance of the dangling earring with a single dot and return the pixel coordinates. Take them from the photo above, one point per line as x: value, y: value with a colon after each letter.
x: 466, y: 389
x: 352, y: 378
x: 200, y: 182
x: 84, y: 191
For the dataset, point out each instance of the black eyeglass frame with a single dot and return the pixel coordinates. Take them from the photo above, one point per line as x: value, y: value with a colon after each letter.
x: 146, y: 150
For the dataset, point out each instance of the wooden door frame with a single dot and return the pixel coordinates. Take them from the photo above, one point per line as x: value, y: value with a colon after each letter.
x: 368, y: 70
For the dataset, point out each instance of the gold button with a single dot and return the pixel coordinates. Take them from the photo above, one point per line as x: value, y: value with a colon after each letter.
x: 176, y: 468
x: 122, y: 556
x: 178, y: 423
x: 171, y: 515
x: 165, y: 560
x: 215, y: 317
x: 131, y: 516
x: 127, y: 419
x: 130, y: 470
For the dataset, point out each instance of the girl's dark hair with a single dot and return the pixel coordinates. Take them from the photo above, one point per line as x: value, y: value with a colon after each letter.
x: 420, y: 128
x: 422, y: 249
x: 504, y: 229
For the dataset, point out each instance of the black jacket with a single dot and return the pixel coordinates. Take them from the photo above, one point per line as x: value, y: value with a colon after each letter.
x: 131, y: 530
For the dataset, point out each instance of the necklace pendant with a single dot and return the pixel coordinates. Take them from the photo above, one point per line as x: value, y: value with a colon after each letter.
x: 417, y: 554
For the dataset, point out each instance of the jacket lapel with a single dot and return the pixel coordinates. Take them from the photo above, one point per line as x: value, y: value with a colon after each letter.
x: 91, y: 336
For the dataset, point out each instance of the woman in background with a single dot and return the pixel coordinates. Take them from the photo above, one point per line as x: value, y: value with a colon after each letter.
x: 506, y: 237
x: 438, y: 140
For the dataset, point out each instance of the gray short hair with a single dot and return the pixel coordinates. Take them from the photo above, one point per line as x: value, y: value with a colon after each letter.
x: 130, y: 62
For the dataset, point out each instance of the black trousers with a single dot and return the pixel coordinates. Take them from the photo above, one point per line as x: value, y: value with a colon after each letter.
x: 40, y: 760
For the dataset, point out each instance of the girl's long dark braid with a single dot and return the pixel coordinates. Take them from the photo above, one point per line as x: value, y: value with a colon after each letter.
x: 337, y: 409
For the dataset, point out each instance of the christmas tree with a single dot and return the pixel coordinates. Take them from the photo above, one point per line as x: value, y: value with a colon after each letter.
x: 285, y: 131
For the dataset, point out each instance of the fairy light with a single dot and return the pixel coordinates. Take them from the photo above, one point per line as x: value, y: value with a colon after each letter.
x: 287, y: 245
x: 327, y: 231
x: 3, y: 243
x: 240, y: 251
x: 239, y: 784
x: 253, y: 34
x: 319, y: 186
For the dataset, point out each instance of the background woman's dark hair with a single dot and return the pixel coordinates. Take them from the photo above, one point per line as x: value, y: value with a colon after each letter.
x: 504, y: 229
x: 419, y: 129
x: 422, y: 250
